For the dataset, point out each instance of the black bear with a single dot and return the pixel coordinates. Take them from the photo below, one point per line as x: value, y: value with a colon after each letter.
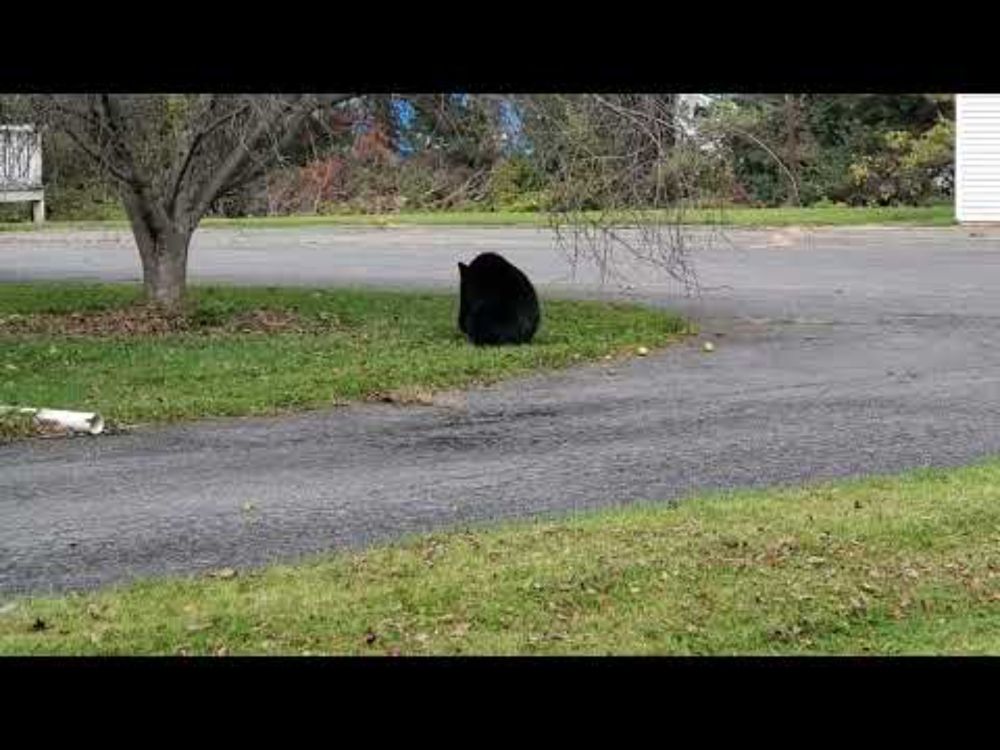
x: 497, y: 304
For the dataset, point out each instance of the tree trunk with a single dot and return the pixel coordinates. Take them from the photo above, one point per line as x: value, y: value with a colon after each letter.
x: 164, y: 267
x: 792, y: 144
x: 163, y: 249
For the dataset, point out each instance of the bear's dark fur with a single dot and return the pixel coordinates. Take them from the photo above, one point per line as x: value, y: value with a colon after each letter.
x: 497, y: 303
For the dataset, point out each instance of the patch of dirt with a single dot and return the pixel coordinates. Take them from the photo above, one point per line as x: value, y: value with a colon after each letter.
x: 14, y: 426
x: 20, y: 427
x: 130, y: 322
x: 418, y: 396
x: 152, y: 321
x: 407, y: 395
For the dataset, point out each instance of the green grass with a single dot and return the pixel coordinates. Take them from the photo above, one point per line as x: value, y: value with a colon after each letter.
x: 942, y: 215
x: 357, y: 345
x: 894, y: 565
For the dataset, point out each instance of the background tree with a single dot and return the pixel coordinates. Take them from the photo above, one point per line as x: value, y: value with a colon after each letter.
x: 857, y: 149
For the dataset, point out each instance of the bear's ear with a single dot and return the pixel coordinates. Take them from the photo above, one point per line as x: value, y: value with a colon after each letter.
x: 462, y: 268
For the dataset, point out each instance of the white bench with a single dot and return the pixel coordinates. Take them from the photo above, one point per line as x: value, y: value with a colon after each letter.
x: 21, y: 168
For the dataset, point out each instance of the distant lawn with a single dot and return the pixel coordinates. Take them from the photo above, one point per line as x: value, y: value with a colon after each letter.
x: 894, y: 565
x: 241, y: 351
x: 832, y: 216
x: 942, y: 215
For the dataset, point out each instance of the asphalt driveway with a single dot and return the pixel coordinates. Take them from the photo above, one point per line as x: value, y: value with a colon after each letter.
x: 838, y: 353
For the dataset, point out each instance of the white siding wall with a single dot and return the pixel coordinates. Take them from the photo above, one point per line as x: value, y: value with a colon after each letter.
x: 977, y: 157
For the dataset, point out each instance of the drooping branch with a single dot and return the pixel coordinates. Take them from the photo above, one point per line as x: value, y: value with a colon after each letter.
x: 624, y: 174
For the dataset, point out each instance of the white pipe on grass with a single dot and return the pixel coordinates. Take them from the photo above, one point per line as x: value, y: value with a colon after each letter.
x: 75, y: 421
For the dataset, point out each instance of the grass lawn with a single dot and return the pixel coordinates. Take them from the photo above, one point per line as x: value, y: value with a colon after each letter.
x: 895, y: 565
x: 943, y: 215
x: 241, y: 351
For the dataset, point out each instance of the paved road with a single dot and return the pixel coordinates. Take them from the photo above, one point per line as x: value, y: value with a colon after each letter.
x: 841, y: 352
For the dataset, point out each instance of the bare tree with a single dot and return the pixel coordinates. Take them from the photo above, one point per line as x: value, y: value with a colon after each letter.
x: 173, y: 156
x: 625, y: 172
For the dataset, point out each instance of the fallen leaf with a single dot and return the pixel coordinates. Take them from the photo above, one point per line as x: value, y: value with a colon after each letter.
x: 224, y: 573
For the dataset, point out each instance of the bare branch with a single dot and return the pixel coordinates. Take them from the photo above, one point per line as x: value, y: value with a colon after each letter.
x: 192, y: 148
x: 95, y: 153
x: 751, y: 137
x: 151, y: 209
x: 236, y: 168
x: 232, y: 165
